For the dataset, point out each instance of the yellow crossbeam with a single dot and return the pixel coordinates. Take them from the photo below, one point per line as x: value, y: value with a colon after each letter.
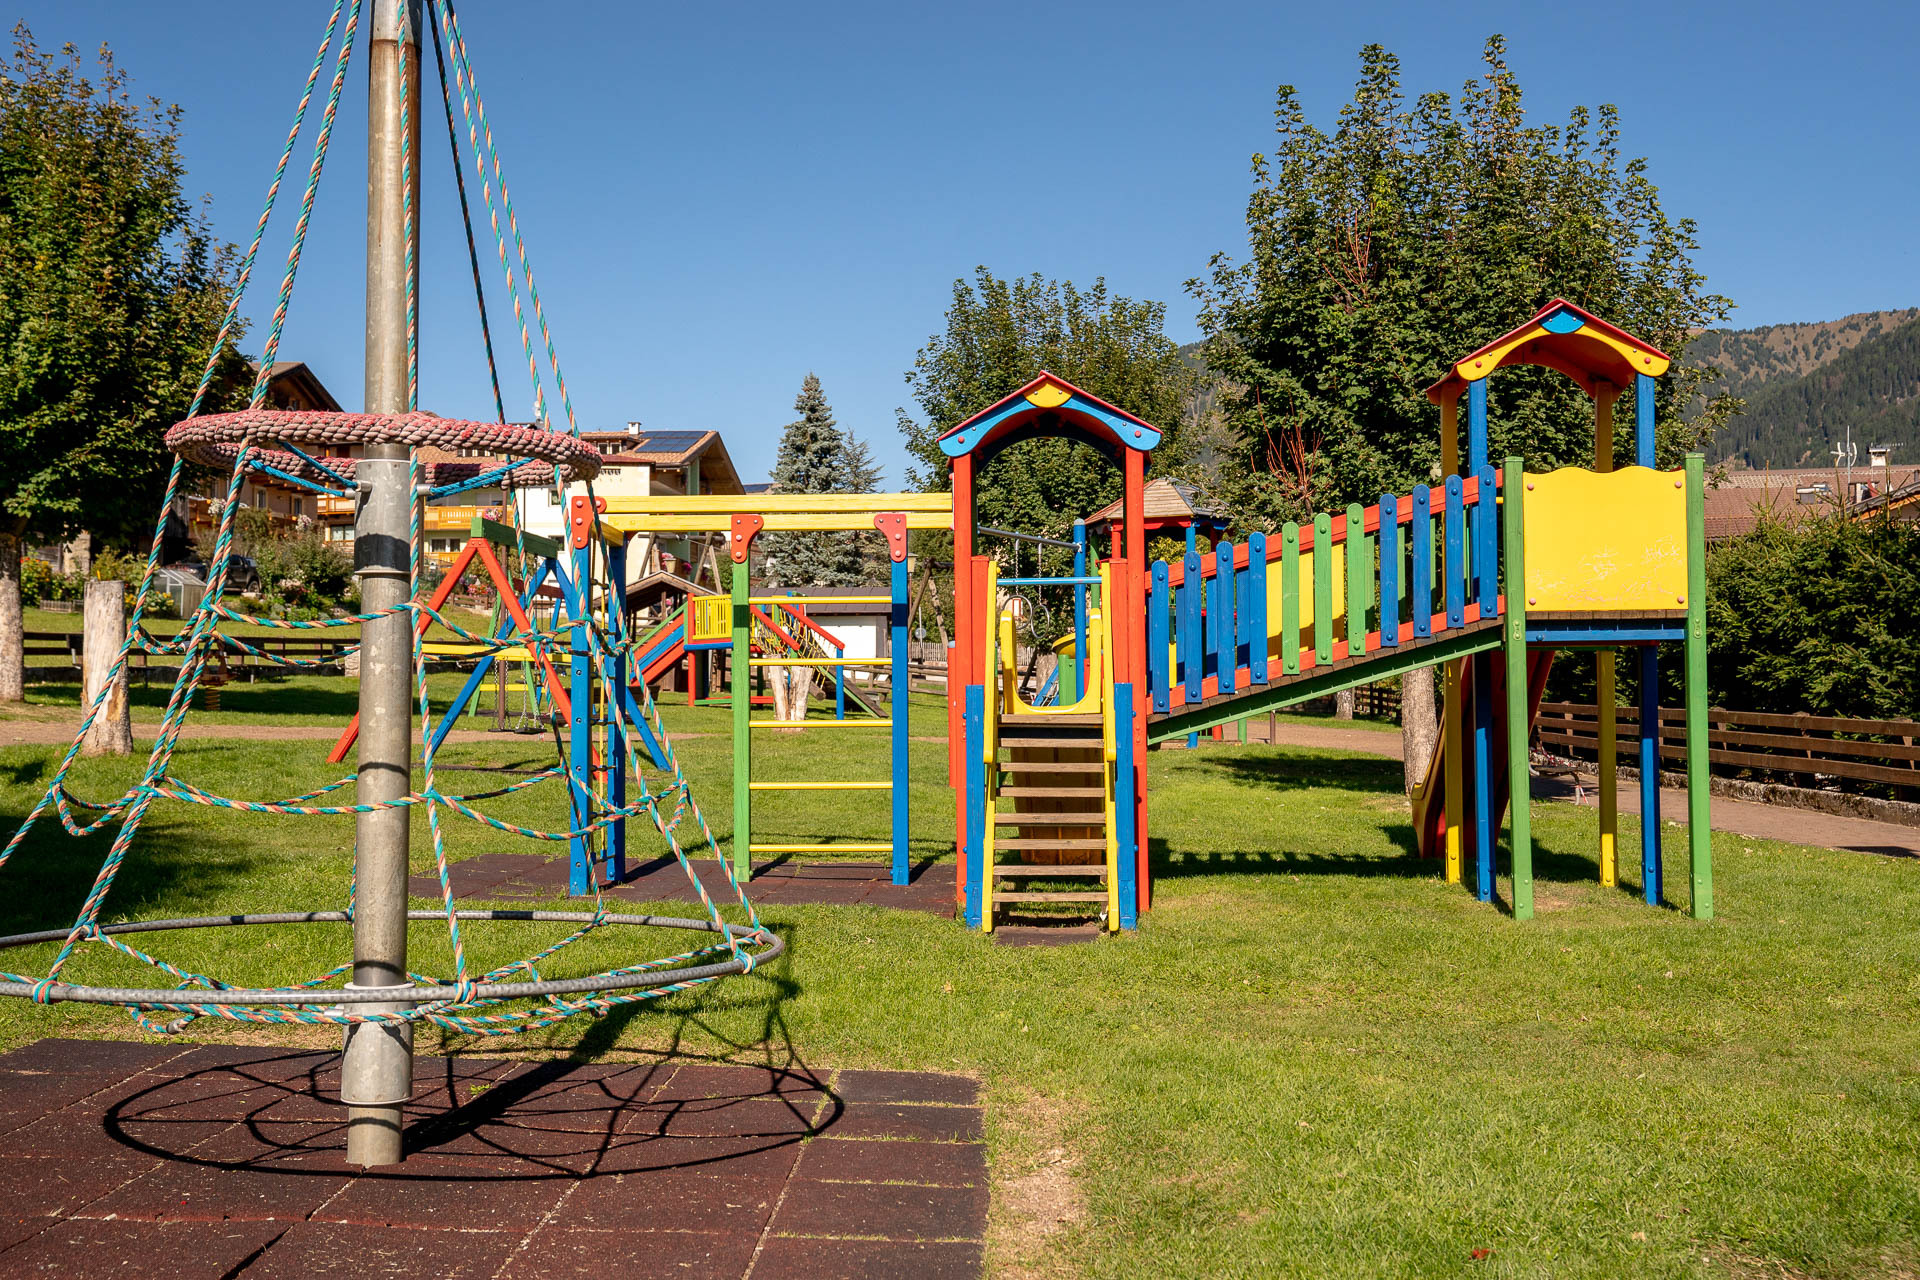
x: 820, y: 724
x: 820, y: 786
x: 819, y: 848
x: 776, y: 522
x: 868, y: 504
x: 814, y: 602
x: 817, y: 662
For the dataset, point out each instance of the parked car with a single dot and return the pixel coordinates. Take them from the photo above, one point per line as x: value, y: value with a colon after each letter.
x: 242, y: 573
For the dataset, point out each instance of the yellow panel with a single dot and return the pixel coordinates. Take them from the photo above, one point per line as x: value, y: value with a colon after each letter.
x: 1604, y: 542
x: 1048, y: 396
x: 868, y: 504
x: 712, y: 619
x: 816, y: 522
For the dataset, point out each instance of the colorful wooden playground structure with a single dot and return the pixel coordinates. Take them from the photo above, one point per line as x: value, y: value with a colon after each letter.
x: 1491, y: 572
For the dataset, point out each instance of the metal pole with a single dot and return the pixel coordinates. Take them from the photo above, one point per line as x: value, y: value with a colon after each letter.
x: 377, y: 1074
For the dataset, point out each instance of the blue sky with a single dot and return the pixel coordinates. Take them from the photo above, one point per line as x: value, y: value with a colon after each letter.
x: 718, y: 199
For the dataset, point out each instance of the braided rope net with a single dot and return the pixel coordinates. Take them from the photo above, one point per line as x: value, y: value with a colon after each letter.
x: 295, y: 447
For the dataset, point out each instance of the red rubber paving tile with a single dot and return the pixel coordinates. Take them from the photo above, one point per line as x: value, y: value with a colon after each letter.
x: 732, y: 1156
x: 672, y: 1200
x: 804, y: 1258
x: 345, y: 1249
x: 934, y: 1164
x: 730, y: 1080
x: 177, y: 1191
x: 81, y: 1249
x: 928, y: 1122
x: 42, y: 1189
x: 887, y: 1210
x: 40, y: 1092
x: 726, y: 1117
x: 92, y: 1057
x: 430, y: 1191
x: 631, y: 1255
x: 905, y: 1086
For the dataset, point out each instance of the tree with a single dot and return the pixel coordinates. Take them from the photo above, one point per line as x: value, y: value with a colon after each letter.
x: 1384, y: 250
x: 999, y: 334
x: 815, y: 457
x: 111, y: 291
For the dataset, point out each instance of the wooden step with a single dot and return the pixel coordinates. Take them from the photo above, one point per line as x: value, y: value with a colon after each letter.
x: 1078, y: 721
x: 1070, y: 818
x: 1054, y: 793
x: 1028, y: 871
x: 1077, y: 742
x: 1052, y: 766
x: 1040, y: 895
x: 1042, y: 842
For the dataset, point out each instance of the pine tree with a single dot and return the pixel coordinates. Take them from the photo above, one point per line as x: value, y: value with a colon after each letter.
x: 817, y: 457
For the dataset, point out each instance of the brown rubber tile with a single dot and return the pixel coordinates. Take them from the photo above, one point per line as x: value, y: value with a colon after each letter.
x: 177, y: 1191
x: 936, y: 1164
x: 674, y: 1200
x: 439, y: 1191
x: 349, y: 1249
x: 893, y: 1211
x: 905, y: 1086
x: 729, y: 1080
x: 80, y: 1249
x: 569, y: 1252
x: 928, y: 1122
x: 812, y: 1258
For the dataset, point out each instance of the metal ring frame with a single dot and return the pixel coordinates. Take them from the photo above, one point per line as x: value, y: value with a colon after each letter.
x: 145, y: 997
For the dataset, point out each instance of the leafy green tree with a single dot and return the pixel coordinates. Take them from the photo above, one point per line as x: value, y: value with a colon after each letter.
x: 1380, y: 252
x: 1385, y: 249
x: 111, y: 291
x: 999, y: 334
x: 816, y: 456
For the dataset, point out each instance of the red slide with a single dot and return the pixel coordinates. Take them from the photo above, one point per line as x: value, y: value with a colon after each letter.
x: 1430, y: 803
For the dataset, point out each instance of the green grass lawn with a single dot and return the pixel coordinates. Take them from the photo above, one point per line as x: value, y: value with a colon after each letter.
x: 1314, y: 1058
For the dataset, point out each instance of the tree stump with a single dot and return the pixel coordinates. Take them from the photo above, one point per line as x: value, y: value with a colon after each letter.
x: 105, y: 624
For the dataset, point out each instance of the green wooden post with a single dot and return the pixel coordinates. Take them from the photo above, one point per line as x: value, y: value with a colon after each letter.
x: 742, y: 741
x: 1360, y: 590
x: 1290, y: 598
x: 1323, y: 588
x: 1699, y: 834
x: 1519, y: 788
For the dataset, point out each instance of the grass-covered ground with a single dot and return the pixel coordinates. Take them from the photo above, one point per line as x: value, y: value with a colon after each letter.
x: 1313, y: 1059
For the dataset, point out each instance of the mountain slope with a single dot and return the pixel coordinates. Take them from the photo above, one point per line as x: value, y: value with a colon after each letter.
x: 1871, y: 384
x: 1749, y: 359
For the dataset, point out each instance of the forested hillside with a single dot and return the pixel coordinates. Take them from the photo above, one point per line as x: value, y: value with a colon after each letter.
x: 1806, y: 384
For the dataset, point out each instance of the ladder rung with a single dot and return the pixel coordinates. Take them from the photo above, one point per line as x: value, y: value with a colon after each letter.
x: 1040, y: 895
x: 820, y: 786
x: 1084, y: 818
x: 1028, y: 871
x: 1052, y: 793
x: 1040, y: 842
x: 1052, y: 766
x: 1082, y: 743
x: 819, y: 848
x: 1044, y: 720
x: 820, y: 724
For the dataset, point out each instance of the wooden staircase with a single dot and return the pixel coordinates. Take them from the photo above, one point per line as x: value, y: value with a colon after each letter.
x: 1052, y: 774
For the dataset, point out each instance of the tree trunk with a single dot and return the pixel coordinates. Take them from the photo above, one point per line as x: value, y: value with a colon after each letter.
x: 1343, y: 705
x: 111, y: 733
x: 13, y: 660
x: 1419, y: 724
x: 789, y: 686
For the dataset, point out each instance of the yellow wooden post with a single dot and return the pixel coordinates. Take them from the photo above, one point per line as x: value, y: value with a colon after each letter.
x: 1452, y: 739
x: 1603, y: 680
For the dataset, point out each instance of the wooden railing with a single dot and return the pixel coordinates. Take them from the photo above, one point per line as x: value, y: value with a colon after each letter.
x: 1428, y: 565
x: 1845, y: 747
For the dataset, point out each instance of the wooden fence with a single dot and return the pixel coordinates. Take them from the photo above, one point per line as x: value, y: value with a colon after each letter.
x: 1825, y: 748
x: 64, y: 647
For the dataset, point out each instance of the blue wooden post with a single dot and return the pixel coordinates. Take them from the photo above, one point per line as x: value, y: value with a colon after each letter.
x: 897, y: 711
x: 1159, y: 660
x: 1422, y: 562
x: 1389, y: 571
x: 1452, y: 567
x: 1652, y: 872
x: 1225, y: 646
x: 1486, y: 554
x: 1193, y: 660
x: 1242, y: 617
x: 1080, y: 612
x: 580, y: 732
x: 1482, y: 779
x: 839, y: 684
x: 615, y: 673
x: 1126, y: 873
x: 975, y: 714
x: 1643, y: 392
x: 1257, y: 608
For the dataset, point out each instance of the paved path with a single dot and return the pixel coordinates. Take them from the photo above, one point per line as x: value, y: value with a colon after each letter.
x: 1742, y: 817
x: 136, y: 1158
